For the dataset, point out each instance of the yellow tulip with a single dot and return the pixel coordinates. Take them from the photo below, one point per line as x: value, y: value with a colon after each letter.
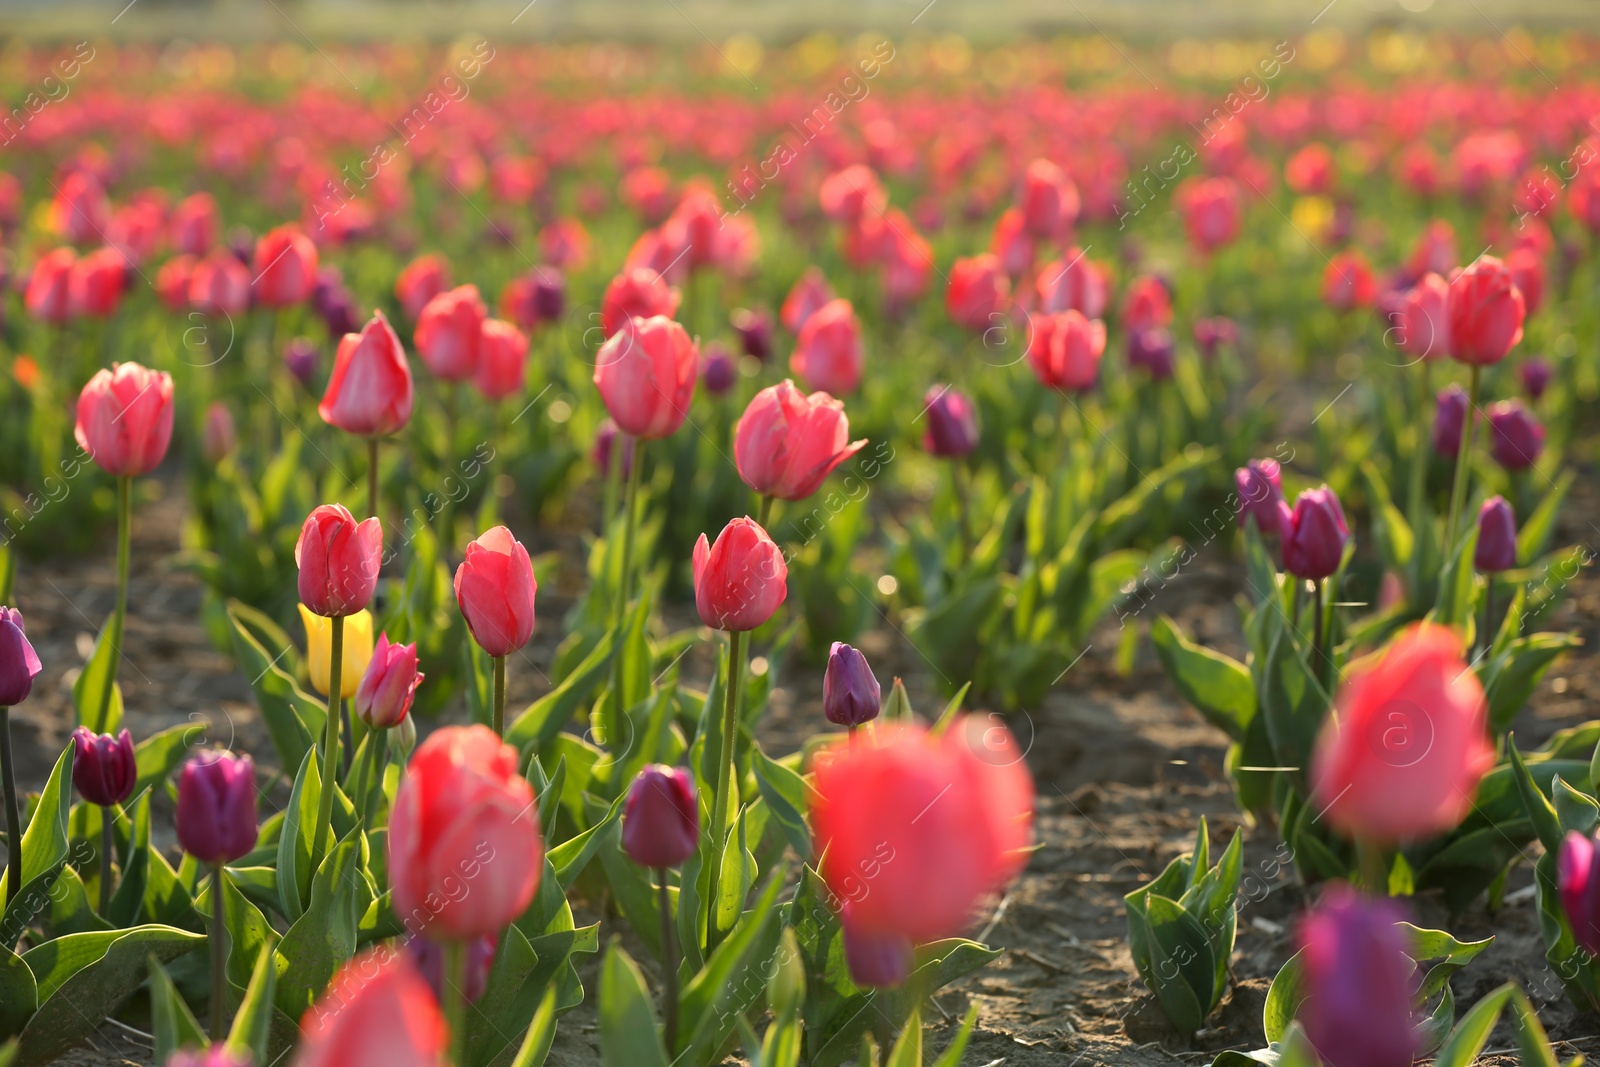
x: 357, y: 649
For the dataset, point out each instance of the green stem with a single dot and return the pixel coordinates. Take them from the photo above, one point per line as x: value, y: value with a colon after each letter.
x: 119, y: 617
x: 669, y: 966
x: 106, y: 817
x: 1419, y: 458
x: 455, y: 999
x: 1458, y: 487
x: 219, y: 956
x: 630, y: 520
x: 372, y: 476
x: 1487, y: 637
x: 764, y: 512
x: 724, y: 799
x: 499, y: 696
x: 960, y: 488
x: 1374, y: 865
x: 330, y: 744
x: 8, y: 775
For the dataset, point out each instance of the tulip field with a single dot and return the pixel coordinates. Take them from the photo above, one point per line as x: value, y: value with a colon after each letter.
x: 869, y: 551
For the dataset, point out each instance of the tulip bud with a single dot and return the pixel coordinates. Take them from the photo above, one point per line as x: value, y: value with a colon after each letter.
x: 319, y: 650
x: 495, y: 589
x: 851, y: 695
x: 1048, y: 199
x: 339, y: 560
x: 217, y: 807
x: 103, y: 767
x: 549, y: 293
x: 193, y: 224
x: 423, y: 279
x: 428, y: 955
x: 1358, y: 983
x: 1347, y: 283
x: 1578, y: 876
x: 1147, y: 306
x: 636, y: 293
x: 978, y: 290
x: 300, y: 359
x: 952, y: 423
x: 390, y: 683
x: 605, y: 440
x: 787, y: 443
x: 217, y: 439
x: 19, y: 664
x: 717, y: 370
x: 810, y: 294
x: 646, y: 375
x: 1313, y: 535
x: 741, y: 580
x: 1212, y: 211
x: 96, y: 284
x: 403, y: 740
x: 448, y: 333
x: 369, y: 392
x: 125, y: 419
x: 377, y: 1001
x: 1516, y: 438
x: 47, y: 295
x: 284, y: 267
x: 1535, y: 375
x: 1497, y: 537
x: 661, y: 822
x: 1424, y: 319
x: 1449, y: 420
x: 875, y: 961
x: 1213, y: 333
x: 1152, y: 348
x: 755, y: 332
x: 827, y: 354
x: 1485, y: 313
x: 1259, y: 486
x: 502, y: 360
x: 1064, y: 350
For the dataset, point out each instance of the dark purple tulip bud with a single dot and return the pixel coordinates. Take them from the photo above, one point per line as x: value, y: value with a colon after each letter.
x: 549, y: 294
x: 850, y: 694
x: 330, y: 283
x: 1578, y: 877
x: 19, y: 664
x: 605, y: 440
x: 384, y: 696
x: 1359, y: 981
x: 1516, y: 438
x: 952, y: 423
x: 342, y: 316
x: 755, y: 331
x: 1448, y: 419
x: 661, y: 820
x: 1259, y: 485
x: 428, y: 955
x: 1497, y: 537
x: 217, y: 807
x: 717, y: 370
x: 1151, y: 348
x: 103, y: 767
x: 1535, y: 375
x: 242, y: 243
x: 1313, y: 535
x: 300, y: 357
x: 501, y: 231
x: 1344, y: 220
x: 875, y: 961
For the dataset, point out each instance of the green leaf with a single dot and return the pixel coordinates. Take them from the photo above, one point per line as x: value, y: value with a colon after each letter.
x: 1461, y: 1049
x: 1219, y: 687
x: 951, y: 1057
x: 539, y: 723
x: 95, y: 694
x: 295, y: 839
x: 292, y: 716
x: 158, y: 755
x: 19, y: 993
x: 786, y: 795
x: 628, y: 1036
x: 325, y: 935
x: 1534, y: 536
x: 907, y: 1051
x: 732, y: 980
x: 1517, y: 674
x: 1545, y: 822
x: 1292, y: 701
x: 1284, y: 996
x: 173, y: 1024
x: 44, y: 851
x: 128, y: 900
x: 541, y: 1034
x: 571, y: 856
x: 252, y: 1023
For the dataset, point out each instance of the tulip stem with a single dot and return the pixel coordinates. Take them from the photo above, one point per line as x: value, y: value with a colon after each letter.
x: 1419, y: 459
x: 1463, y: 450
x: 219, y: 955
x: 724, y: 798
x: 764, y: 512
x: 1317, y: 655
x: 629, y: 521
x: 13, y: 817
x: 1374, y: 867
x: 372, y: 476
x: 455, y: 999
x: 499, y: 696
x: 1487, y: 638
x: 669, y: 965
x: 330, y: 743
x: 106, y: 817
x: 101, y: 723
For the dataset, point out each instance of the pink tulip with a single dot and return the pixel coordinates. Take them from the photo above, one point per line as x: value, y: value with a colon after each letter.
x: 1424, y: 319
x: 125, y: 419
x: 978, y: 292
x: 1065, y: 349
x: 636, y: 293
x: 502, y: 360
x: 495, y: 589
x: 449, y: 329
x: 787, y: 443
x: 378, y: 1009
x: 646, y: 375
x: 807, y: 296
x: 827, y: 355
x: 369, y: 392
x: 741, y: 580
x: 49, y: 294
x: 338, y: 560
x: 1485, y: 313
x: 284, y: 268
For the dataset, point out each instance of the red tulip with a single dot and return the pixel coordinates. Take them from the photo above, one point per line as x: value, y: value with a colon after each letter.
x: 1073, y: 283
x: 1309, y: 171
x: 851, y: 193
x: 48, y: 296
x: 465, y: 853
x: 81, y: 210
x: 422, y: 279
x: 646, y: 374
x: 914, y: 829
x: 193, y: 224
x: 125, y: 419
x: 1435, y: 250
x: 1485, y: 313
x: 172, y: 282
x: 1048, y: 199
x: 1211, y: 211
x: 284, y: 268
x: 1064, y: 350
x: 369, y: 392
x: 495, y: 589
x: 1347, y: 283
x: 808, y: 296
x: 827, y: 355
x: 1402, y: 756
x: 338, y: 560
x: 1584, y: 199
x: 786, y: 443
x: 978, y: 291
x: 1527, y: 271
x: 741, y: 580
x: 907, y: 269
x: 1424, y: 319
x: 1148, y: 305
x: 95, y: 285
x: 377, y: 1010
x: 502, y: 359
x: 220, y: 285
x: 638, y: 293
x: 448, y: 332
x: 1011, y: 244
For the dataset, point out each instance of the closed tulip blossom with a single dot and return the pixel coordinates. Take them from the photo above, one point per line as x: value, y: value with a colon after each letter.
x: 1578, y: 879
x: 465, y: 853
x: 978, y: 291
x: 495, y: 589
x: 740, y: 581
x: 389, y: 684
x: 754, y: 330
x: 787, y: 443
x: 810, y: 294
x: 449, y: 331
x: 422, y: 279
x: 1485, y: 313
x: 19, y: 663
x: 300, y: 359
x: 952, y: 429
x: 914, y: 830
x: 851, y: 695
x: 875, y: 961
x: 1358, y: 980
x: 1212, y: 211
x: 1535, y: 377
x: 502, y: 360
x: 218, y: 436
x: 1048, y: 199
x: 125, y: 419
x: 1012, y: 245
x: 429, y: 957
x: 1402, y: 757
x: 852, y: 193
x: 636, y: 293
x: 284, y: 267
x: 661, y: 820
x: 172, y: 282
x: 646, y: 374
x: 48, y: 295
x: 1214, y: 333
x: 353, y: 661
x: 717, y: 371
x: 1449, y: 420
x: 827, y: 355
x: 103, y: 767
x: 193, y: 224
x: 1527, y: 271
x: 1259, y: 486
x: 1497, y: 537
x: 1148, y: 305
x: 1152, y: 348
x: 1064, y: 350
x: 1422, y: 329
x: 339, y: 560
x: 1313, y: 534
x: 378, y: 1009
x: 1516, y: 437
x: 370, y: 392
x: 219, y: 285
x: 215, y: 1056
x: 538, y: 297
x: 1073, y: 283
x: 96, y: 284
x: 217, y: 807
x: 1347, y: 283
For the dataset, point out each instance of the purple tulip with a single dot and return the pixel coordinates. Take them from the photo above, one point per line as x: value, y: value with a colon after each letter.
x: 1313, y: 535
x: 952, y: 423
x: 300, y: 357
x: 716, y: 370
x: 1259, y: 485
x: 103, y: 767
x: 1497, y: 537
x: 549, y: 294
x: 1151, y: 348
x: 217, y: 807
x: 1448, y: 420
x: 1359, y: 982
x: 242, y: 243
x: 19, y: 664
x: 1214, y: 333
x: 605, y: 439
x: 875, y: 961
x: 1579, y: 881
x: 384, y: 696
x: 661, y: 820
x: 1516, y: 438
x: 755, y: 331
x: 850, y: 694
x: 428, y: 955
x: 1535, y: 375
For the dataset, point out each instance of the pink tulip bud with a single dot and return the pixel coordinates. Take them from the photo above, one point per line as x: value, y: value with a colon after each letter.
x: 339, y: 560
x: 1259, y: 486
x: 786, y: 443
x: 219, y: 285
x: 1048, y: 199
x: 384, y: 696
x: 19, y: 663
x: 1212, y: 210
x: 369, y: 392
x: 103, y: 767
x: 217, y: 438
x: 1535, y: 376
x: 96, y: 284
x: 807, y: 296
x: 1423, y: 319
x: 1313, y: 535
x: 422, y: 279
x: 495, y: 589
x: 1347, y: 283
x: 1064, y: 350
x: 194, y: 224
x: 1073, y: 283
x: 661, y: 821
x: 978, y: 291
x: 377, y: 1005
x: 48, y: 295
x: 1147, y: 306
x: 850, y: 194
x: 637, y: 293
x: 827, y: 355
x: 1485, y: 313
x: 217, y: 807
x: 646, y: 375
x: 284, y: 268
x: 502, y: 360
x: 741, y: 580
x: 1578, y: 876
x: 448, y: 333
x: 755, y: 332
x: 125, y: 419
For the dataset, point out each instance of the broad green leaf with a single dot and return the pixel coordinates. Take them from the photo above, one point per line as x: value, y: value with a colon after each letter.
x: 44, y: 851
x: 1219, y: 687
x: 731, y: 981
x: 96, y: 696
x: 543, y: 719
x: 786, y: 795
x: 172, y: 1023
x: 907, y: 1050
x: 1466, y: 1042
x: 541, y: 1034
x: 325, y: 935
x: 951, y: 1056
x: 158, y: 755
x: 19, y: 993
x: 252, y: 1023
x: 295, y: 840
x: 292, y: 716
x: 628, y: 1035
